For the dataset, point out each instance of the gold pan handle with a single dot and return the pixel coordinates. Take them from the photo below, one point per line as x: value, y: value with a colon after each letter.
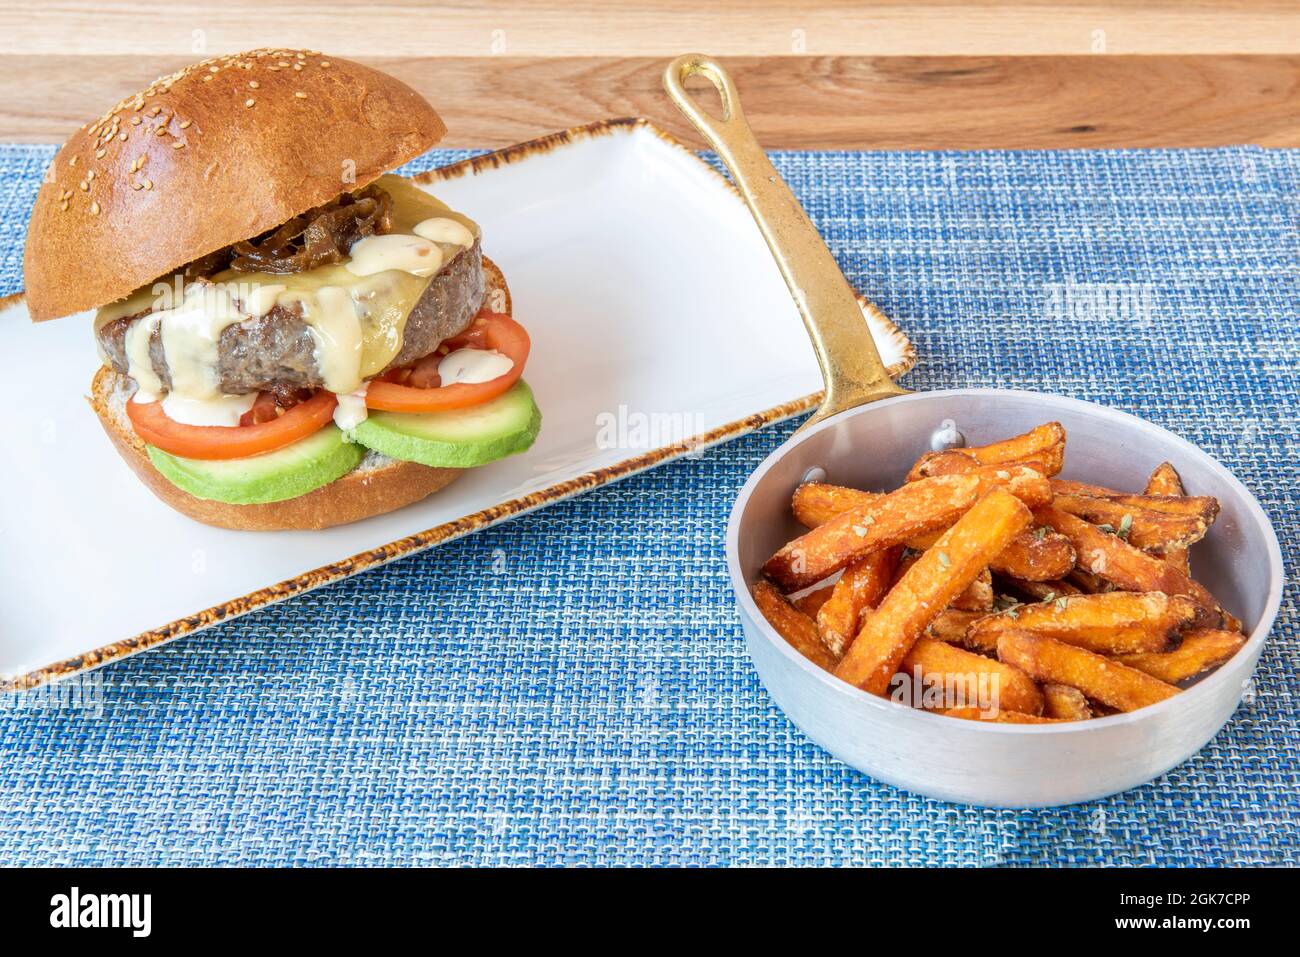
x: 850, y: 362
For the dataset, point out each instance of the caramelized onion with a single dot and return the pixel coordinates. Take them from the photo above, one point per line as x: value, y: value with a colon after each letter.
x: 318, y: 237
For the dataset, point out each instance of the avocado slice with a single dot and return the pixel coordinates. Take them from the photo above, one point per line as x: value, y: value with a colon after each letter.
x: 270, y: 477
x: 461, y: 438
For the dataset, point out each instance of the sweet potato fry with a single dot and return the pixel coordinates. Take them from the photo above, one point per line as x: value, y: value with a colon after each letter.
x: 1065, y: 703
x: 1141, y: 527
x: 816, y: 503
x: 1062, y: 486
x: 939, y: 575
x: 1114, y: 623
x: 1036, y: 554
x: 887, y: 521
x: 1165, y: 480
x: 955, y: 463
x: 1200, y: 651
x: 1129, y: 568
x: 1205, y: 507
x: 1031, y: 555
x: 861, y: 586
x: 1088, y: 583
x: 1045, y: 444
x: 962, y: 678
x: 792, y: 625
x: 951, y: 626
x: 812, y: 602
x: 1041, y: 590
x: 1102, y: 679
x: 1000, y: 716
x: 978, y: 595
x: 950, y: 462
x: 1025, y: 482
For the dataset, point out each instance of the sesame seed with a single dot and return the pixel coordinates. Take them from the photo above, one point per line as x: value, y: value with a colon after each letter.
x: 213, y: 69
x: 84, y: 185
x: 253, y: 84
x: 155, y: 111
x: 148, y: 184
x: 73, y: 161
x: 122, y: 137
x: 178, y: 145
x: 325, y: 63
x: 160, y: 130
x: 300, y: 95
x: 137, y: 185
x: 99, y: 154
x: 94, y: 209
x: 297, y: 66
x: 186, y: 124
x: 64, y: 205
x: 90, y: 175
x: 249, y: 102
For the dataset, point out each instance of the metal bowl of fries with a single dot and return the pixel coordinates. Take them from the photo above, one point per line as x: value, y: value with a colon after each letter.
x: 986, y: 596
x: 1002, y: 762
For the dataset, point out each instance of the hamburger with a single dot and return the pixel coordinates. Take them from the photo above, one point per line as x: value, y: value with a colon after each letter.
x: 292, y: 336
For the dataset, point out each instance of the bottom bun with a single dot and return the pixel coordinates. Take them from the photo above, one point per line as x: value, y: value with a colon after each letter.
x: 378, y: 485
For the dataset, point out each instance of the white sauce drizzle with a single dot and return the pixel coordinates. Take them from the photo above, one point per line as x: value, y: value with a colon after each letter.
x: 332, y: 319
x: 139, y: 364
x: 190, y: 333
x: 376, y: 254
x: 224, y: 410
x: 261, y: 299
x: 473, y: 366
x: 351, y: 410
x: 441, y: 229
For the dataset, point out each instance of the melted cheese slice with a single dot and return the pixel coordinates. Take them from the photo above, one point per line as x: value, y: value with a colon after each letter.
x: 356, y: 321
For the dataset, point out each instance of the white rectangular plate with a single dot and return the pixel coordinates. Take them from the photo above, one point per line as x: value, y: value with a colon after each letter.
x: 648, y: 292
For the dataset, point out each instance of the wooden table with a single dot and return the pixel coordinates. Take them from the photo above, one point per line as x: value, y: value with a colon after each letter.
x: 920, y: 74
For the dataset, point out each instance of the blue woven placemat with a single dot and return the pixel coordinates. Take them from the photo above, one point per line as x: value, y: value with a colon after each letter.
x: 558, y: 691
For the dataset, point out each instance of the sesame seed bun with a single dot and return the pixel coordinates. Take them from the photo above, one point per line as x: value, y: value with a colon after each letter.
x: 222, y: 151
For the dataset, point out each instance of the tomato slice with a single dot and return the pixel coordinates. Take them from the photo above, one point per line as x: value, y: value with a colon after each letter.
x: 498, y: 332
x: 230, y: 442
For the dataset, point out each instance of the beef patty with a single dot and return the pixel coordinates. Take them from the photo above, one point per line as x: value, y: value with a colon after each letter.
x: 277, y: 350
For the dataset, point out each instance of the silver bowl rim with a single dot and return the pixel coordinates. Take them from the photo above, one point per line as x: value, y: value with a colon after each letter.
x: 878, y: 705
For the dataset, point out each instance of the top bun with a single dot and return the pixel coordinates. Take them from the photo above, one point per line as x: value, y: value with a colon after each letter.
x: 222, y: 151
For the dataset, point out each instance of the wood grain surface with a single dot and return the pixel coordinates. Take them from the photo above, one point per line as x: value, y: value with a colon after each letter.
x: 920, y: 75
